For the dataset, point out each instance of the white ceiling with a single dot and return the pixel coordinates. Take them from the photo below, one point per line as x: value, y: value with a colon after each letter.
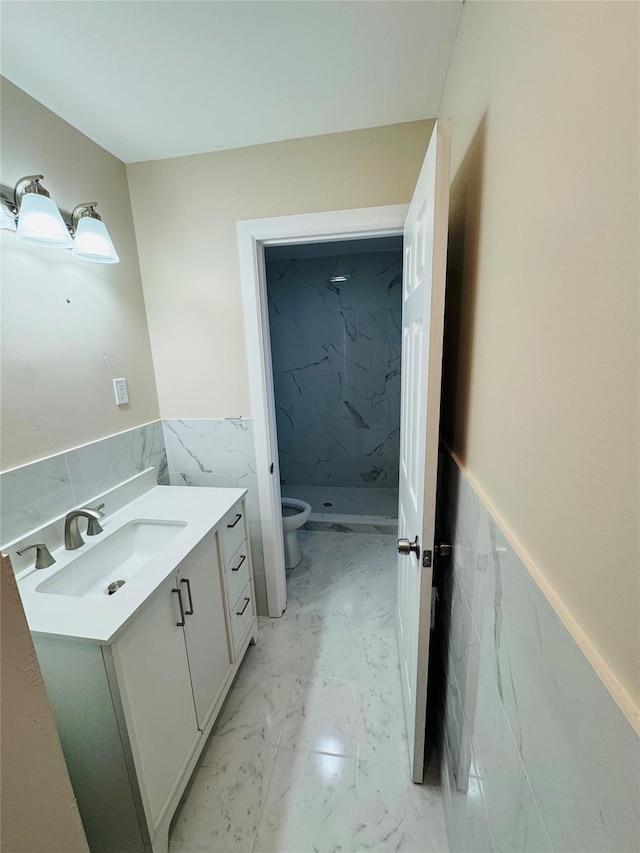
x: 149, y: 79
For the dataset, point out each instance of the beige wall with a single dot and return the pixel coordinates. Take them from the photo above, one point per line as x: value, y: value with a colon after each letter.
x: 185, y: 212
x: 68, y: 327
x: 543, y: 406
x: 39, y: 812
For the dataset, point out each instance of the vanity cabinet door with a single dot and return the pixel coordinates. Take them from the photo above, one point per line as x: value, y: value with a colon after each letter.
x: 152, y: 671
x: 205, y: 629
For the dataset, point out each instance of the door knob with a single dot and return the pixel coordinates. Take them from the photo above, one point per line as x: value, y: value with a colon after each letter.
x: 407, y: 547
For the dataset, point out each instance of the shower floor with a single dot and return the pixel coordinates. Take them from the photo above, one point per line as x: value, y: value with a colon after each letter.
x: 350, y: 510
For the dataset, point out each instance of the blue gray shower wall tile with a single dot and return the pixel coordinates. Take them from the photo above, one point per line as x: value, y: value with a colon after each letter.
x: 342, y: 457
x: 35, y: 494
x: 336, y: 368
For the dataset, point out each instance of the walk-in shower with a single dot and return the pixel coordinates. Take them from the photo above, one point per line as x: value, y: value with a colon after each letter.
x: 335, y: 325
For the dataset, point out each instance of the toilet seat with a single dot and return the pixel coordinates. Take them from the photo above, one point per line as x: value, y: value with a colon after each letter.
x: 299, y: 513
x: 296, y: 519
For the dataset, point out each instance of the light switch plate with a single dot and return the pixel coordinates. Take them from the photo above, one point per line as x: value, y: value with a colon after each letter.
x: 120, y: 388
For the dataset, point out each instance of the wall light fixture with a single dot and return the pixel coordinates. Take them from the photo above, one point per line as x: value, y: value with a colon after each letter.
x: 31, y: 212
x: 39, y: 220
x: 92, y: 238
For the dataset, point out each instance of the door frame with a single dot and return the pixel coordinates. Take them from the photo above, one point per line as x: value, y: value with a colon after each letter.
x: 253, y: 236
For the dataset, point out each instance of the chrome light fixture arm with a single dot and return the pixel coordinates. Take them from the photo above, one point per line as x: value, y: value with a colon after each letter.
x: 87, y: 208
x: 30, y: 184
x: 12, y: 199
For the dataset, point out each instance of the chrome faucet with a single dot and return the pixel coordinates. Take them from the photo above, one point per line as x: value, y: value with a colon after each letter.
x: 72, y: 536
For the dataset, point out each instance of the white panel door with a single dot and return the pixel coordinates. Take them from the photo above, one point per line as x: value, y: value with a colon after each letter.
x: 425, y: 251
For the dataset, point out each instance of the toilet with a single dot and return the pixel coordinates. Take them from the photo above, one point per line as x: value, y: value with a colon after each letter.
x: 294, y: 515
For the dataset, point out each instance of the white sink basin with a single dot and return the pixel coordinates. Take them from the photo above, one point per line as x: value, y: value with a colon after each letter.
x: 119, y: 556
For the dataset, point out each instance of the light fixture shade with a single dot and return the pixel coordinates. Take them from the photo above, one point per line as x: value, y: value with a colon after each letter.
x: 40, y: 223
x: 7, y: 219
x: 93, y: 242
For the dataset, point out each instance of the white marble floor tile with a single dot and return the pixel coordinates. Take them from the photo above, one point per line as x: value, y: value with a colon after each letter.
x: 380, y: 657
x: 379, y: 611
x: 323, y: 686
x: 254, y: 708
x: 381, y: 728
x: 393, y: 814
x: 278, y: 649
x: 331, y: 651
x: 323, y: 716
x: 341, y: 608
x: 309, y: 805
x: 224, y: 805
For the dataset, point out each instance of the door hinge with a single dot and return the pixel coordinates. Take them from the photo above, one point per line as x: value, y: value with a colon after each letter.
x: 271, y: 468
x: 426, y: 560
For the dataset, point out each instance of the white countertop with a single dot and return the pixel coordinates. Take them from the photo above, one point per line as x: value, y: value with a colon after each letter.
x: 100, y: 619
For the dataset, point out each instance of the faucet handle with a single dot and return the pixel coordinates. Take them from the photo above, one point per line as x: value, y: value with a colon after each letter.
x: 43, y: 555
x: 93, y: 525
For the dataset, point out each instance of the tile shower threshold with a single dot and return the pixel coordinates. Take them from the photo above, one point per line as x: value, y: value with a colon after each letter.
x: 347, y: 523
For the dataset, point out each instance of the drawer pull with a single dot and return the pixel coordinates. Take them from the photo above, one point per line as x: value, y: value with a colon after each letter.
x: 238, y: 517
x: 246, y: 604
x: 237, y: 568
x: 179, y: 624
x: 188, y: 612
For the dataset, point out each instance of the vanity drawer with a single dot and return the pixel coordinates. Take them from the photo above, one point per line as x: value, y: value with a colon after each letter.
x: 241, y: 616
x: 237, y: 572
x: 233, y: 531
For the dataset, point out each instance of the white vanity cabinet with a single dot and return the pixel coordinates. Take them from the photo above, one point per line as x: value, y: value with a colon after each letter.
x: 170, y: 665
x: 134, y: 713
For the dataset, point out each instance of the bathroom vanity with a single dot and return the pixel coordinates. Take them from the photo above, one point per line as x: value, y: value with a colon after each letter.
x: 137, y: 678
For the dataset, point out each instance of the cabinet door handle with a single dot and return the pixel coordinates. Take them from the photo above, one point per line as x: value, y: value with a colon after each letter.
x: 238, y: 517
x: 188, y: 612
x: 246, y: 604
x: 179, y: 624
x: 244, y: 557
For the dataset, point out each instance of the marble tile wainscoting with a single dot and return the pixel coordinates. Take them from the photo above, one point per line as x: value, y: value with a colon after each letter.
x: 336, y: 368
x: 219, y: 452
x: 34, y: 494
x: 536, y: 754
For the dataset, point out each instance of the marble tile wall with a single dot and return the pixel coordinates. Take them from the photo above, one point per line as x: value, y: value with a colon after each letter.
x: 219, y: 452
x: 536, y: 755
x: 336, y: 368
x: 34, y: 494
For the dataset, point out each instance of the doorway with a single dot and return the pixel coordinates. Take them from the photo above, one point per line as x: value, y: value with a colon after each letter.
x: 335, y: 329
x: 254, y: 237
